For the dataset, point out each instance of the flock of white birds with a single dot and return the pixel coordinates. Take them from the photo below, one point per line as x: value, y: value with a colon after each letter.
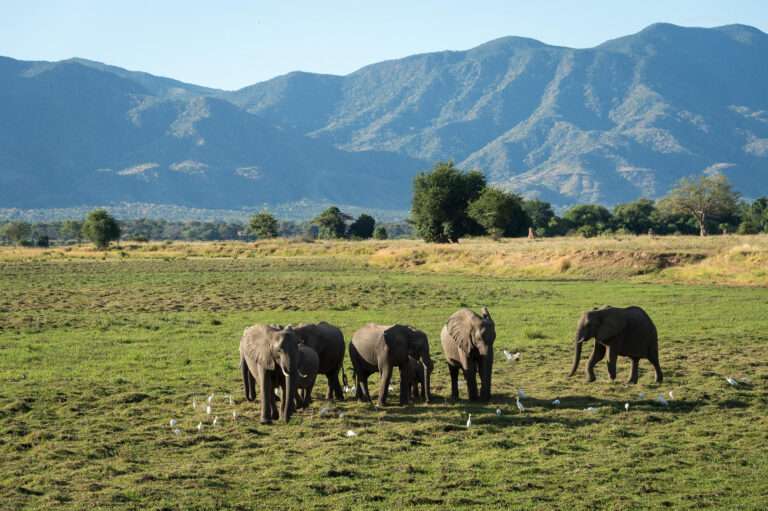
x: 325, y: 411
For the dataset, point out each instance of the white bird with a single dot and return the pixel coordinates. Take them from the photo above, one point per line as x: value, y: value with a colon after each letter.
x: 590, y: 409
x: 626, y: 406
x: 516, y: 356
x: 351, y: 433
x: 199, y: 427
x: 498, y: 412
x: 641, y: 395
x: 671, y: 396
x: 341, y: 415
x: 324, y: 411
x: 208, y: 410
x: 556, y: 402
x: 391, y: 388
x: 194, y: 404
x: 661, y: 400
x: 520, y: 405
x: 234, y: 415
x: 231, y: 401
x: 346, y: 389
x: 469, y: 420
x: 521, y: 393
x: 177, y: 431
x: 507, y: 354
x: 210, y: 398
x: 731, y: 381
x: 215, y: 420
x: 173, y: 423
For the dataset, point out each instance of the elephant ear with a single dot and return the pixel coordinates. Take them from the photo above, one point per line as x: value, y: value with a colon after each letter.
x: 256, y: 346
x: 460, y: 330
x: 612, y: 323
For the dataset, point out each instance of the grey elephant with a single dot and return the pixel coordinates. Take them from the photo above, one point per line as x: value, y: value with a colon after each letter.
x: 417, y: 389
x: 467, y: 339
x: 264, y: 351
x: 381, y: 348
x: 627, y: 332
x: 328, y: 342
x: 307, y: 372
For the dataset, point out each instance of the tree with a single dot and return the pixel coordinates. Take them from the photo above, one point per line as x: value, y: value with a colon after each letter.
x: 101, y: 228
x: 540, y: 214
x: 440, y: 200
x: 706, y: 198
x: 754, y: 217
x: 380, y: 233
x: 17, y: 231
x: 72, y: 230
x: 500, y: 213
x: 263, y: 225
x: 636, y: 217
x: 362, y: 227
x: 589, y: 215
x: 332, y: 223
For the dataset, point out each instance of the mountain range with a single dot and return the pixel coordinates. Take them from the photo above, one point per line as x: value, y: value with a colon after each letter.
x: 609, y: 124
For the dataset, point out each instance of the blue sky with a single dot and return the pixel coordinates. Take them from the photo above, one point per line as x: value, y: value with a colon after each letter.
x: 230, y: 44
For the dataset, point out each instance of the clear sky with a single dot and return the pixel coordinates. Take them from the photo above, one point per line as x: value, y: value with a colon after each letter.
x: 229, y: 44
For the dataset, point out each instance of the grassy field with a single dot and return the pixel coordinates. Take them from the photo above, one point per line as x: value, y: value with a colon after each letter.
x: 99, y: 351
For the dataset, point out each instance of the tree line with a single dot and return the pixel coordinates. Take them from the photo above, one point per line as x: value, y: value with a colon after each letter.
x: 448, y: 204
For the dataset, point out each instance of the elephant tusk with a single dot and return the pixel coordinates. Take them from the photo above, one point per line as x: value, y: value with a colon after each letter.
x: 284, y: 372
x: 302, y: 374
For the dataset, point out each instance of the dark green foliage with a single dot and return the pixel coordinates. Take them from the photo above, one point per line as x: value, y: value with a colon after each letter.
x: 363, y: 227
x: 440, y: 200
x: 263, y: 225
x: 71, y: 230
x: 380, y: 233
x: 331, y: 223
x: 706, y: 198
x: 101, y: 228
x: 16, y: 232
x: 754, y: 217
x: 593, y: 215
x: 636, y: 217
x: 540, y: 214
x: 500, y: 213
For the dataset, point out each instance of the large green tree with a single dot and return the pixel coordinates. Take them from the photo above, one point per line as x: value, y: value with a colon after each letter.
x: 331, y: 223
x: 500, y: 213
x: 263, y: 225
x: 589, y: 219
x: 101, y: 228
x: 71, y: 230
x: 636, y: 217
x: 440, y: 200
x: 540, y: 213
x: 706, y: 198
x: 363, y: 227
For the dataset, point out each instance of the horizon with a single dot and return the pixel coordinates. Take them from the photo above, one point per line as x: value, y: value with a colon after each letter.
x: 253, y: 44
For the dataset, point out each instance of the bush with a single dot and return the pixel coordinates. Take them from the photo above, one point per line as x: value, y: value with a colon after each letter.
x: 380, y: 233
x: 101, y: 228
x: 500, y: 213
x: 363, y: 227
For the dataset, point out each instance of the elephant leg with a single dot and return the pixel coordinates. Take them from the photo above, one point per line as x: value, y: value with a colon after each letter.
x: 386, y: 378
x: 364, y: 387
x: 267, y: 396
x: 454, y: 371
x: 654, y: 359
x: 612, y: 358
x: 633, y: 375
x: 597, y: 355
x: 333, y: 382
x: 470, y: 375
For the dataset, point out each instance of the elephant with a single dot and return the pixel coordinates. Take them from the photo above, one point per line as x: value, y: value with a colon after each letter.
x: 628, y: 332
x: 263, y: 350
x: 417, y: 389
x: 467, y: 339
x: 309, y: 361
x: 382, y: 348
x: 328, y: 342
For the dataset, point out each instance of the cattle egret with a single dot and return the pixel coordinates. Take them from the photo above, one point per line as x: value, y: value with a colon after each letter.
x: 641, y: 395
x: 391, y: 388
x: 516, y: 356
x: 231, y: 401
x: 498, y: 412
x: 199, y: 427
x: 671, y: 396
x: 661, y: 400
x: 731, y: 381
x: 469, y: 420
x: 177, y: 431
x: 521, y: 393
x: 556, y: 402
x: 520, y: 405
x: 210, y: 399
x: 346, y: 389
x: 215, y: 420
x: 173, y: 423
x: 351, y: 433
x: 341, y: 415
x: 590, y: 409
x: 507, y: 354
x: 208, y: 410
x: 194, y: 404
x: 626, y: 406
x: 234, y: 415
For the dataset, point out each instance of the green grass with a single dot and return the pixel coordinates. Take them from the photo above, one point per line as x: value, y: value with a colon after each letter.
x: 97, y: 356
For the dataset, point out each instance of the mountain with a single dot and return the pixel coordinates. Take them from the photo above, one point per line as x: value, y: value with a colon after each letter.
x: 608, y: 124
x: 77, y: 132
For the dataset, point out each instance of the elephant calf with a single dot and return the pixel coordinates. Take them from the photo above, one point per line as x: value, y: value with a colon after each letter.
x: 417, y: 389
x: 467, y: 339
x: 382, y: 348
x: 628, y: 332
x: 307, y: 372
x: 328, y: 342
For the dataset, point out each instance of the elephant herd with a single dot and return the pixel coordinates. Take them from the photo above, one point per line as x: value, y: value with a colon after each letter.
x: 290, y: 357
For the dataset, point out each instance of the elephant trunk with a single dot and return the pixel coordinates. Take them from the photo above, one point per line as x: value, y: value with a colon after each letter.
x: 290, y: 394
x: 576, y: 357
x: 486, y: 371
x: 425, y: 381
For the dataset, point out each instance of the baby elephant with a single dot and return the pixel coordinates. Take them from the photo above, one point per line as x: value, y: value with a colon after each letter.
x: 416, y: 388
x: 306, y: 373
x: 628, y: 332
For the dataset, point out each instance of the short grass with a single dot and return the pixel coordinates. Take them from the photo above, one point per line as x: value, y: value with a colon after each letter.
x: 98, y: 353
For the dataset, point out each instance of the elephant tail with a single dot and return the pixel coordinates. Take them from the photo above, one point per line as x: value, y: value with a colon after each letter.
x: 249, y: 382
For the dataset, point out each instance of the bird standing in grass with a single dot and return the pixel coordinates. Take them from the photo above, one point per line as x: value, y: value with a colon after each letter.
x: 520, y: 405
x: 199, y: 427
x: 626, y: 406
x: 731, y: 381
x: 661, y: 400
x: 556, y: 402
x: 173, y: 423
x: 208, y: 410
x: 469, y: 420
x: 234, y: 415
x: 521, y: 393
x: 498, y: 412
x: 215, y: 420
